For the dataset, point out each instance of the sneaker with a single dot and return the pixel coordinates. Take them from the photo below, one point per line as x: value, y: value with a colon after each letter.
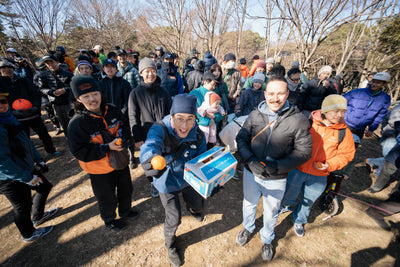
x: 284, y: 209
x: 198, y: 216
x: 116, y: 225
x: 267, y: 252
x: 38, y: 233
x: 131, y: 215
x: 373, y: 190
x: 46, y: 216
x: 242, y: 237
x: 55, y: 154
x: 174, y: 257
x: 372, y: 168
x: 299, y: 229
x: 153, y: 191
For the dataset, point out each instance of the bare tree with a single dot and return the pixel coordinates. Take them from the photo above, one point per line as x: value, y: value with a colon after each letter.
x: 240, y: 17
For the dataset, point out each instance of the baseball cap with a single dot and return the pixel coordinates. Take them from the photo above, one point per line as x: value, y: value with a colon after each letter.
x: 382, y: 76
x: 49, y: 57
x: 97, y: 47
x: 109, y: 61
x: 121, y: 52
x: 12, y: 50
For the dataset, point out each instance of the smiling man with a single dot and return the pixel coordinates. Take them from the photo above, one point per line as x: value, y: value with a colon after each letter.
x: 273, y: 140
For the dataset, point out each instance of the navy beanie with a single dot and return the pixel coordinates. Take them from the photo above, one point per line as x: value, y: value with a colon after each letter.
x: 184, y: 103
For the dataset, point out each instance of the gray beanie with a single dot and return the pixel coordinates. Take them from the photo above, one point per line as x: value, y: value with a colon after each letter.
x: 147, y: 63
x: 259, y: 78
x: 325, y: 69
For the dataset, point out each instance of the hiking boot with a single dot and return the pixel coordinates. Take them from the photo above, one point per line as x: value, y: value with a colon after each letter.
x: 242, y: 237
x: 46, y: 216
x: 38, y: 233
x: 116, y: 225
x: 299, y: 229
x: 284, y: 209
x: 153, y: 191
x: 174, y: 257
x: 267, y: 252
x: 198, y: 216
x: 131, y: 215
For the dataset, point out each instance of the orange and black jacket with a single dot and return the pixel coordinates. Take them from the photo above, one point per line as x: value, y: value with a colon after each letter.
x: 85, y: 139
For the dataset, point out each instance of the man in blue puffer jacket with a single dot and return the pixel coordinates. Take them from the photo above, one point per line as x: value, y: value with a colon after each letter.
x: 366, y: 107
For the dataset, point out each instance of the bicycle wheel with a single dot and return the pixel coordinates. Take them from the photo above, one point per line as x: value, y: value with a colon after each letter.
x: 332, y: 208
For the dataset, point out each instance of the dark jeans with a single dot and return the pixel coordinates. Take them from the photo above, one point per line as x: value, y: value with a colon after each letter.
x: 19, y: 195
x: 62, y: 115
x: 172, y: 207
x: 38, y: 126
x: 111, y: 190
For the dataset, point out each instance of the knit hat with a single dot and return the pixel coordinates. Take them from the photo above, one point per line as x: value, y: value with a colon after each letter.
x: 147, y: 63
x: 229, y: 56
x: 382, y: 76
x: 325, y: 69
x: 270, y: 60
x: 61, y: 49
x: 84, y: 62
x: 110, y: 61
x: 214, y: 97
x: 333, y: 102
x: 184, y: 103
x: 259, y: 77
x: 84, y: 83
x: 295, y: 64
x: 261, y: 64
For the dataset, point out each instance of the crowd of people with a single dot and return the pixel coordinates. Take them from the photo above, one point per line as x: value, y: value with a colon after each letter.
x: 295, y: 133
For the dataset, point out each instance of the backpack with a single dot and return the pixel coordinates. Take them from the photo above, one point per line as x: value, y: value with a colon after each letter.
x: 342, y: 134
x: 173, y: 146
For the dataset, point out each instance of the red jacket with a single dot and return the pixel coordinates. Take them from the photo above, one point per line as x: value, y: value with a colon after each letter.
x: 326, y: 148
x: 254, y: 67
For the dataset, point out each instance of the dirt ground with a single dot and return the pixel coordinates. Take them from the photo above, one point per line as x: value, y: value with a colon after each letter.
x: 79, y: 237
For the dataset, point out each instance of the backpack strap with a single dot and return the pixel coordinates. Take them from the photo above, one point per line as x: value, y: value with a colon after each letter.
x: 342, y: 134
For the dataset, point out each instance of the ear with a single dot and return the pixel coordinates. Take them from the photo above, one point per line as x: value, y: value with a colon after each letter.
x: 77, y: 99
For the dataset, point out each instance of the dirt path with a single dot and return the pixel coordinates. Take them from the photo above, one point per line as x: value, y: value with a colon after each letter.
x: 79, y: 237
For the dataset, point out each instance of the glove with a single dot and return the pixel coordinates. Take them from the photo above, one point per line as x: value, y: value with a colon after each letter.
x: 25, y: 113
x: 256, y: 167
x: 36, y: 181
x: 149, y: 171
x: 42, y: 167
x: 270, y: 168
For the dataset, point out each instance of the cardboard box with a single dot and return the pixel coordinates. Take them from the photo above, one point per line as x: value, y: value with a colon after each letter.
x: 210, y: 169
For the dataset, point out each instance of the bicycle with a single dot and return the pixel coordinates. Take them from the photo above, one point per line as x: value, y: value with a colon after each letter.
x: 328, y: 201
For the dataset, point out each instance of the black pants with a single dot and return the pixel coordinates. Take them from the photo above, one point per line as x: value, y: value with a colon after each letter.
x: 19, y: 195
x: 62, y: 115
x: 172, y: 207
x: 113, y: 190
x: 40, y: 129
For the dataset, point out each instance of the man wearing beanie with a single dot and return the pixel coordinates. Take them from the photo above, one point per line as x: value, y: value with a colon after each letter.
x: 148, y: 103
x: 314, y: 91
x: 269, y: 64
x: 249, y: 99
x: 178, y: 139
x: 333, y: 149
x: 261, y: 68
x: 92, y: 137
x: 232, y: 78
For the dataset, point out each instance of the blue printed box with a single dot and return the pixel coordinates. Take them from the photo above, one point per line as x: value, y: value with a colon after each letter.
x: 210, y: 169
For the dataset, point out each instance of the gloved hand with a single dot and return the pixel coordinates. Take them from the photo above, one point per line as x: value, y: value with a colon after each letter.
x: 270, y: 168
x: 36, y: 180
x: 149, y: 171
x: 256, y: 167
x: 25, y: 113
x: 42, y: 167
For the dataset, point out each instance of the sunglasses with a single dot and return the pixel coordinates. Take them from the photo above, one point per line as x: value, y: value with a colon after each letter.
x: 3, y: 101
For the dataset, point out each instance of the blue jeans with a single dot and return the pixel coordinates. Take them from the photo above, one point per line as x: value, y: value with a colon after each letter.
x: 272, y: 192
x: 311, y: 186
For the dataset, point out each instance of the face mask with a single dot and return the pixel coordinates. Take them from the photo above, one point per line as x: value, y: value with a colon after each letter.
x: 230, y: 64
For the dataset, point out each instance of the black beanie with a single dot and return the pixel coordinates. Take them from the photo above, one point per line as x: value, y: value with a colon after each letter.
x: 184, y: 103
x: 83, y: 83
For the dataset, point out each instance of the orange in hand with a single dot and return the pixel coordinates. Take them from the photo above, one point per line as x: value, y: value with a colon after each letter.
x: 319, y: 164
x: 118, y: 142
x: 158, y: 163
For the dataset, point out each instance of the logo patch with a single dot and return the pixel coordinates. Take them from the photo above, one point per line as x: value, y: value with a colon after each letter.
x: 84, y: 86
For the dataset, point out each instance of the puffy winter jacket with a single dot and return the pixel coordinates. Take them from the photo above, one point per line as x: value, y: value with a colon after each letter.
x: 116, y: 91
x: 209, y: 60
x: 195, y: 77
x: 49, y: 81
x: 130, y: 74
x: 312, y: 93
x: 249, y: 100
x: 366, y: 108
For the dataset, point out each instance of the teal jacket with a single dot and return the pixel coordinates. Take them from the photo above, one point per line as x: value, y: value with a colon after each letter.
x: 204, y: 121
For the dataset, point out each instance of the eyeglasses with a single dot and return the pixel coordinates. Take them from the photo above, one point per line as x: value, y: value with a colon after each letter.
x: 3, y: 101
x: 180, y: 121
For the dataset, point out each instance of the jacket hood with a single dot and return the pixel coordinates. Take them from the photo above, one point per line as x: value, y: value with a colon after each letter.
x: 317, y: 118
x: 208, y: 55
x: 263, y: 107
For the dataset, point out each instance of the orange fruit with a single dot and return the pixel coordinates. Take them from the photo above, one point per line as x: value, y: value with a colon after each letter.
x: 118, y: 142
x: 319, y: 164
x: 158, y: 162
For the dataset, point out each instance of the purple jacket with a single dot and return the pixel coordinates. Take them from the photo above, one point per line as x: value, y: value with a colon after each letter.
x: 366, y: 108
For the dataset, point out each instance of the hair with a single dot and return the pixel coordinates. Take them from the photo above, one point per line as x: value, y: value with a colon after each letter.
x: 293, y: 71
x: 215, y: 67
x: 278, y: 70
x: 111, y: 54
x: 276, y: 78
x: 92, y: 53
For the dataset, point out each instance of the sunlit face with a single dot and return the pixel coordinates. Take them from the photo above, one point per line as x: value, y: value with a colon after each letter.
x: 3, y: 104
x: 122, y: 59
x: 91, y: 101
x: 260, y: 70
x: 335, y: 116
x: 295, y: 78
x: 51, y: 65
x: 7, y: 72
x: 85, y: 69
x: 377, y: 85
x: 11, y: 54
x: 149, y: 75
x: 110, y: 70
x: 209, y: 85
x: 183, y: 123
x: 324, y: 76
x: 257, y: 85
x: 276, y: 95
x: 217, y: 73
x: 269, y: 67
